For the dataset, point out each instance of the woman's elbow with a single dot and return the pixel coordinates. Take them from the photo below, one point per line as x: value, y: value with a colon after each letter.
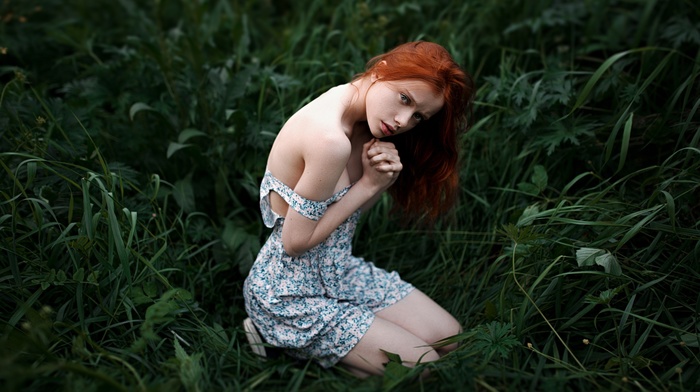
x: 294, y: 250
x: 295, y: 241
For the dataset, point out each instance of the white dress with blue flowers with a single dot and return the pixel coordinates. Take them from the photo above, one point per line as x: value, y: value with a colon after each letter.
x: 320, y: 304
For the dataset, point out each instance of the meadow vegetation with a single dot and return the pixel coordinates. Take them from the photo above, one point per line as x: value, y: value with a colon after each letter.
x: 133, y: 135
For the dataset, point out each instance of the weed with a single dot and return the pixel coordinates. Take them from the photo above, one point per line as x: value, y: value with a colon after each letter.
x: 133, y: 136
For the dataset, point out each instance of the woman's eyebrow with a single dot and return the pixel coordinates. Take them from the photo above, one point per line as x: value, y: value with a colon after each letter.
x: 415, y: 103
x: 408, y: 92
x: 422, y: 113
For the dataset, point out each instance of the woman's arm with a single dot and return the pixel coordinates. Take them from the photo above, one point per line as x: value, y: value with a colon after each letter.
x: 323, y: 167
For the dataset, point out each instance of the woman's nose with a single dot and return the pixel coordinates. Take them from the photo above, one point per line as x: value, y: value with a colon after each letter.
x: 402, y: 118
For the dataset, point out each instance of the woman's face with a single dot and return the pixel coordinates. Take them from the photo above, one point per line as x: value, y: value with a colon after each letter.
x: 397, y: 106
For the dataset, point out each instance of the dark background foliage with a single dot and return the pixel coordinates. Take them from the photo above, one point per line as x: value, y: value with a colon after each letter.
x: 133, y: 136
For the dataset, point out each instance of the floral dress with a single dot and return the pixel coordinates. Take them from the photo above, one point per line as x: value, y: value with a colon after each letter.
x: 317, y: 305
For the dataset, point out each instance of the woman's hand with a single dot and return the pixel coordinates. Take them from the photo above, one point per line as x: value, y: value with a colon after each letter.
x: 381, y: 163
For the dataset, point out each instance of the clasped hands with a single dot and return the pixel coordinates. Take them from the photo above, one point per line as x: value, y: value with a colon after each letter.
x: 381, y: 163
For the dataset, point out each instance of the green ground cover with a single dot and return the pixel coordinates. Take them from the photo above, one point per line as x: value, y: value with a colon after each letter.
x: 133, y: 135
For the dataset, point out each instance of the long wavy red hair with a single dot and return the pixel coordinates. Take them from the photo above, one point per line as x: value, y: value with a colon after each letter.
x: 428, y: 184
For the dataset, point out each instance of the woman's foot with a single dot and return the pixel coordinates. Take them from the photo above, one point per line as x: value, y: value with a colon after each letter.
x: 254, y: 339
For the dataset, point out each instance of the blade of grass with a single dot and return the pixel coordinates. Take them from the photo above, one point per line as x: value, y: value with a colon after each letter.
x: 625, y: 142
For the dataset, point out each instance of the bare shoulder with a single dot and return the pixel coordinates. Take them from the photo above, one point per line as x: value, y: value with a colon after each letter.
x: 314, y: 134
x: 317, y: 129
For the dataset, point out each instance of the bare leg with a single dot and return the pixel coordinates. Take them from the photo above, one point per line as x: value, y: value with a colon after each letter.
x: 424, y: 318
x: 383, y: 334
x: 406, y: 328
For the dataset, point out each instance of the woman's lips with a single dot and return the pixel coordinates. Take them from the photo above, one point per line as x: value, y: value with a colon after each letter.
x: 387, y: 129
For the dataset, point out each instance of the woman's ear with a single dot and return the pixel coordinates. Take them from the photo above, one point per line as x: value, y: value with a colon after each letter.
x: 374, y: 76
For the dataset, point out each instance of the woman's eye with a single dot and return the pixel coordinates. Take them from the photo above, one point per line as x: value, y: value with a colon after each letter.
x: 405, y: 99
x: 417, y: 117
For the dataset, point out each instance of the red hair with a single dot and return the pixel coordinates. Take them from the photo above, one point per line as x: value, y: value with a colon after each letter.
x: 428, y: 184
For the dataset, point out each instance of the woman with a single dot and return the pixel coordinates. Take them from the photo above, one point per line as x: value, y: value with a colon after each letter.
x: 331, y: 160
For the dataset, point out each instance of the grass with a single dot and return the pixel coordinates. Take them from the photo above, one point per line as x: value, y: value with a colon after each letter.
x: 133, y: 137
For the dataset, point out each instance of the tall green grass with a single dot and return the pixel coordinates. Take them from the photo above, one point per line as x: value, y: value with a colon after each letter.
x: 133, y: 136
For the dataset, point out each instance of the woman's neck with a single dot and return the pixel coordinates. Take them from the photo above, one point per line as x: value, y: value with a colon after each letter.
x: 356, y: 111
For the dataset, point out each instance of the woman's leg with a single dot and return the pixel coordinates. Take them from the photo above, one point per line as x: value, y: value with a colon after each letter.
x: 367, y: 356
x: 407, y: 328
x: 424, y: 318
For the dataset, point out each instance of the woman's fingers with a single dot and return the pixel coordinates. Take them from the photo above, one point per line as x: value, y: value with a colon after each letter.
x: 383, y: 157
x: 386, y: 154
x: 380, y: 147
x: 388, y: 168
x: 386, y: 163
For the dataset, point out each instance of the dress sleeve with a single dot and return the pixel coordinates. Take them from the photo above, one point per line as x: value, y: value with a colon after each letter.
x: 311, y: 209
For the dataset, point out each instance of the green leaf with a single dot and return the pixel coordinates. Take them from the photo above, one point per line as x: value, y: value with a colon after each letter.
x: 520, y: 234
x: 174, y: 147
x: 137, y: 296
x: 539, y: 177
x: 681, y: 29
x: 495, y: 338
x: 61, y: 277
x: 184, y: 295
x: 394, y: 374
x: 184, y: 193
x: 176, y: 293
x: 393, y: 357
x: 690, y: 339
x: 528, y: 188
x: 189, y: 133
x: 190, y: 370
x: 150, y: 289
x: 601, y: 257
x: 160, y: 312
x: 180, y: 353
x: 79, y: 274
x: 605, y: 296
x: 586, y: 256
x: 609, y: 262
x: 93, y: 276
x: 527, y: 213
x: 137, y: 107
x: 394, y: 371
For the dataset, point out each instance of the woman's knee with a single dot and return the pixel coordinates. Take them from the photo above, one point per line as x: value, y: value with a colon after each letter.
x: 422, y: 316
x: 383, y: 336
